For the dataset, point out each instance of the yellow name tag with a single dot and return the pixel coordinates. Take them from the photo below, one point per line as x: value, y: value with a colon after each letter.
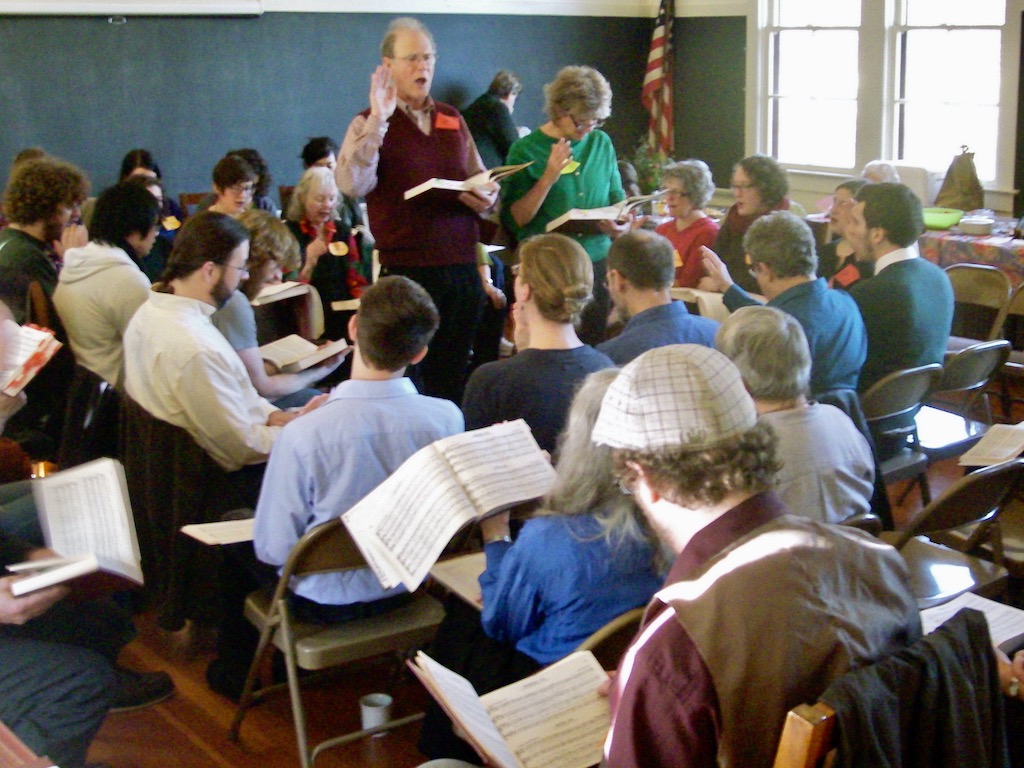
x: 338, y: 249
x: 572, y: 167
x: 678, y: 258
x: 171, y: 223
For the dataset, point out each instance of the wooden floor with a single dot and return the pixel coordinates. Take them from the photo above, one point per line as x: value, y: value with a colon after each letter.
x: 190, y: 729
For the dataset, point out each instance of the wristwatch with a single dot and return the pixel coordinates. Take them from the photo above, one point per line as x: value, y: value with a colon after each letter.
x: 495, y: 539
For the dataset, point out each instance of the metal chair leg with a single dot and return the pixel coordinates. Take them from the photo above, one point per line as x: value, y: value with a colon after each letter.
x: 248, y: 692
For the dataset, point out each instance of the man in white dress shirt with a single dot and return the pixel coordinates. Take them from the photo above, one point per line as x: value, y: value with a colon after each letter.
x: 182, y: 370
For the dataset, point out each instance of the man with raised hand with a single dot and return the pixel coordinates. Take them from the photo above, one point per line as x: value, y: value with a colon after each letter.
x: 402, y: 140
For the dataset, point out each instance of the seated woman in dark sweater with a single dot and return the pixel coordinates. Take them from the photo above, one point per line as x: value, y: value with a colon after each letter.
x: 553, y: 284
x: 582, y: 560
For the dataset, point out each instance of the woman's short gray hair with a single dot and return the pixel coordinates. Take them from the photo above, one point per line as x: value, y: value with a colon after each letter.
x: 579, y: 91
x: 312, y: 182
x: 770, y: 349
x: 695, y: 178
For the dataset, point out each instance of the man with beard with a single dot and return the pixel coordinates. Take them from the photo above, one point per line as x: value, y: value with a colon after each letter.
x: 641, y: 268
x: 182, y: 370
x: 41, y: 201
x: 908, y: 305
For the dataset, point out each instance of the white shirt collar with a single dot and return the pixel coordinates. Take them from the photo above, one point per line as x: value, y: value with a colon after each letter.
x: 900, y: 254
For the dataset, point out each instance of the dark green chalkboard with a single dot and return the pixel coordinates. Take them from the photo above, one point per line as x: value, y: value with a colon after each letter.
x: 191, y: 88
x: 710, y: 81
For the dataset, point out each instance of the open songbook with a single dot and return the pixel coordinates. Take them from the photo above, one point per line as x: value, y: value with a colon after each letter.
x: 481, y: 179
x: 1005, y: 623
x: 222, y: 531
x: 1001, y: 442
x: 584, y: 221
x: 278, y: 292
x: 403, y: 525
x: 553, y: 719
x: 293, y: 353
x: 27, y: 348
x: 87, y: 519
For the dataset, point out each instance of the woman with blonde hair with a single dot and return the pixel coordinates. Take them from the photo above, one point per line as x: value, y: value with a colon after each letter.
x: 554, y: 284
x: 272, y: 251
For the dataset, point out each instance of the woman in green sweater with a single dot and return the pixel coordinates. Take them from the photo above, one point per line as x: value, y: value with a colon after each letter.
x: 574, y: 166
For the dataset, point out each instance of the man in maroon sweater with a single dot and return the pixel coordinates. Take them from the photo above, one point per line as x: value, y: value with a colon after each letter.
x: 403, y: 139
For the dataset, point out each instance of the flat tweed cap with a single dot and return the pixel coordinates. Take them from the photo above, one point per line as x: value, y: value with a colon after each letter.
x: 684, y: 395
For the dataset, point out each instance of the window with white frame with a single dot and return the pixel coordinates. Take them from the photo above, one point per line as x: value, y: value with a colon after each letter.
x: 845, y: 81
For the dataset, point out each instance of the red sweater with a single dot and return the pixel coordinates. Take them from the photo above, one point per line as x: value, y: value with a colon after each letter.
x: 432, y: 229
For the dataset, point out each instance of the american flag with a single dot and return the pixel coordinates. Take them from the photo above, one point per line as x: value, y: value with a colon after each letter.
x: 657, y: 93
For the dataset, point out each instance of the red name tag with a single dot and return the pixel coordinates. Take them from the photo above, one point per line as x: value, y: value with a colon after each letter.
x: 446, y: 122
x: 846, y: 276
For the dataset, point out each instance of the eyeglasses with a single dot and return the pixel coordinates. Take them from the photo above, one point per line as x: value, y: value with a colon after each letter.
x: 742, y: 187
x: 243, y: 271
x: 674, y: 193
x: 418, y: 58
x: 588, y: 125
x: 242, y: 189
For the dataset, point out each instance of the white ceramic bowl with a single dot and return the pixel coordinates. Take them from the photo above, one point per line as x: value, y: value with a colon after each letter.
x: 976, y: 225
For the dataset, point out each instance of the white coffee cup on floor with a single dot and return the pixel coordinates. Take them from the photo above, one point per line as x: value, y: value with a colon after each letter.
x: 375, y: 709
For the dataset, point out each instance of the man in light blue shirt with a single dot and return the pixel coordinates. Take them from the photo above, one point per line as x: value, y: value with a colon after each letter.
x: 641, y: 268
x: 369, y: 426
x: 335, y: 456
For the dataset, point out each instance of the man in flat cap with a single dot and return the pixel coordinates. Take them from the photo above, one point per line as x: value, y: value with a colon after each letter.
x: 761, y: 609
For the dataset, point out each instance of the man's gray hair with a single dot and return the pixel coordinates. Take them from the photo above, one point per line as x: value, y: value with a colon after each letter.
x: 783, y: 242
x: 770, y: 349
x: 403, y: 24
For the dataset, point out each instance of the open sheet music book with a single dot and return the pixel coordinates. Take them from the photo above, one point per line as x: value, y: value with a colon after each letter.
x: 27, y: 348
x: 14, y: 753
x: 278, y: 292
x: 403, y: 525
x: 293, y: 353
x: 1000, y: 443
x: 222, y: 532
x: 481, y: 179
x: 1005, y: 623
x: 585, y: 220
x: 553, y: 719
x: 86, y: 517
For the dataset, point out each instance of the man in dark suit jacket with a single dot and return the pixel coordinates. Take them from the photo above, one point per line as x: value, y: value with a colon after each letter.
x: 490, y: 118
x: 908, y: 305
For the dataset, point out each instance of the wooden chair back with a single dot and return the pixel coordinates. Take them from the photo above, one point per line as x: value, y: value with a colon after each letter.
x: 808, y: 737
x: 284, y: 194
x: 189, y: 201
x: 611, y: 641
